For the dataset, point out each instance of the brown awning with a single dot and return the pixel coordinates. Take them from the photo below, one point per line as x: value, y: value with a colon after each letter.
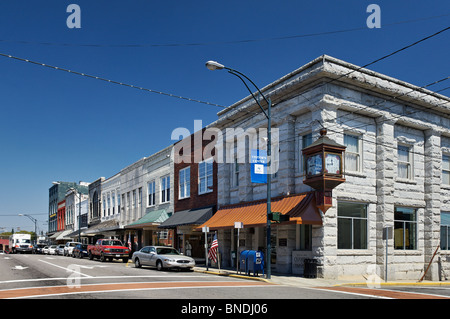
x: 300, y: 207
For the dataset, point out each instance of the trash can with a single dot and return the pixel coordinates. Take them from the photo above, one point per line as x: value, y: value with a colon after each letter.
x: 310, y: 268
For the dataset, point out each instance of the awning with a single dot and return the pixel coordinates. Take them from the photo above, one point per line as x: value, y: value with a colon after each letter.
x: 56, y: 235
x: 63, y: 235
x: 102, y: 227
x: 154, y: 218
x: 188, y: 217
x: 74, y: 234
x: 300, y: 207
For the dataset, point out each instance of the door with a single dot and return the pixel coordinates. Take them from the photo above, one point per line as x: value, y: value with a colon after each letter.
x: 152, y: 257
x: 144, y: 256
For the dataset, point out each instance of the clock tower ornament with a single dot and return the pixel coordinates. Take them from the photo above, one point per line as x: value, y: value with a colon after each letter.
x: 324, y: 168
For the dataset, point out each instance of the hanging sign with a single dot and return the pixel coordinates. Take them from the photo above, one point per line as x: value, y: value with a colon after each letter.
x: 259, y: 166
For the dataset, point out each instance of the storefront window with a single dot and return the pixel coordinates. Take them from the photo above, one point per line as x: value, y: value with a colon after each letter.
x: 352, y: 225
x: 445, y: 234
x: 405, y: 228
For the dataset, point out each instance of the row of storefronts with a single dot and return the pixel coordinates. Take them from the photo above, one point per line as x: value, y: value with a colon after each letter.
x: 391, y: 179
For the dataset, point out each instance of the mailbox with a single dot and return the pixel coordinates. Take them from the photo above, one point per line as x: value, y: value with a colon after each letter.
x: 251, y: 261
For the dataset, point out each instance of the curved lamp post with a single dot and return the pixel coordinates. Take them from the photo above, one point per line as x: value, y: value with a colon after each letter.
x: 213, y: 65
x: 34, y: 220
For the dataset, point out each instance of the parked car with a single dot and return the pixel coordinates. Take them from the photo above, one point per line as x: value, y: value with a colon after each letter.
x: 52, y: 250
x: 162, y: 257
x: 60, y: 250
x: 37, y: 249
x: 45, y: 250
x: 80, y: 251
x: 108, y: 249
x: 69, y: 247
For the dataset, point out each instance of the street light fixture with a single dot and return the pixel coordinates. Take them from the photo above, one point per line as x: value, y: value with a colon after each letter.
x: 214, y: 65
x: 34, y: 220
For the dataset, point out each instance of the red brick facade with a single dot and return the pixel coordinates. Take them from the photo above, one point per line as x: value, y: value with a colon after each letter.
x: 195, y: 200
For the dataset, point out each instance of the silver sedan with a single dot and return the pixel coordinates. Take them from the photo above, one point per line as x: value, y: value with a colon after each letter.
x: 162, y: 257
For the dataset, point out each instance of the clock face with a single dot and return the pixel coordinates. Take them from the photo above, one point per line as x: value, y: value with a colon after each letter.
x: 314, y: 165
x: 332, y: 163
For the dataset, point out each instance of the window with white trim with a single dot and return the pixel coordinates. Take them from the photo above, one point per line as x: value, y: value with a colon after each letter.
x: 404, y: 162
x: 446, y: 169
x: 352, y: 153
x: 205, y: 176
x: 151, y: 193
x: 165, y: 189
x: 184, y: 182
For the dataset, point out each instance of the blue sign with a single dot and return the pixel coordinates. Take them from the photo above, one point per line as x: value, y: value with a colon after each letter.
x: 259, y: 166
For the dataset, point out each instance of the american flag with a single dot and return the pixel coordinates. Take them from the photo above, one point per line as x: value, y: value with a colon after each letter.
x: 213, y: 250
x: 129, y: 241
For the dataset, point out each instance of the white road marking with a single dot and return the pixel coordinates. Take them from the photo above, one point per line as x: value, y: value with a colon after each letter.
x: 67, y: 269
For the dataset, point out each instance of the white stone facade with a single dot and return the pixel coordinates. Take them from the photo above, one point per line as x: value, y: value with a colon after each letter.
x: 111, y: 198
x: 400, y: 131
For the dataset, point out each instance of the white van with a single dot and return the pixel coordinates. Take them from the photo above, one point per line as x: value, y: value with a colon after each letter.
x: 20, y: 243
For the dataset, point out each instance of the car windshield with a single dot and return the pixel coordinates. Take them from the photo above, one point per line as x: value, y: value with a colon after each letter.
x: 112, y: 243
x: 167, y: 251
x: 25, y: 241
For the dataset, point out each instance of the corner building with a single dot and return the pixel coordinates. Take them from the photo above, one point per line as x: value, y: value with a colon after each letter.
x: 397, y: 138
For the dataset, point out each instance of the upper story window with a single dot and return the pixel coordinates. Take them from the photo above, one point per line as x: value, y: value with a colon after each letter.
x: 446, y: 169
x: 205, y: 176
x: 185, y: 183
x: 305, y: 141
x: 151, y: 193
x: 404, y: 162
x: 352, y: 153
x: 165, y: 189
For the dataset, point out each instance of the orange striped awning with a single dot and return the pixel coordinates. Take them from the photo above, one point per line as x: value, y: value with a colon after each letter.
x: 300, y: 207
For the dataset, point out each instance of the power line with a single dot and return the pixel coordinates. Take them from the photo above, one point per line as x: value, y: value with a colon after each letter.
x: 109, y: 81
x: 155, y: 45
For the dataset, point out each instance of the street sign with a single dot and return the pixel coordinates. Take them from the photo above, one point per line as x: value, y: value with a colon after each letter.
x: 259, y: 166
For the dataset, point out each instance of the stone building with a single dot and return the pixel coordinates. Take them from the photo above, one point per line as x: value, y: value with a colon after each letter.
x: 397, y: 138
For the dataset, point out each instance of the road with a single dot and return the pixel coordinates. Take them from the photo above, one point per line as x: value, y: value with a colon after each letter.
x: 58, y: 277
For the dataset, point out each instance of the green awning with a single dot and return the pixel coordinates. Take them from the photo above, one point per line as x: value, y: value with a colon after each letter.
x: 153, y: 218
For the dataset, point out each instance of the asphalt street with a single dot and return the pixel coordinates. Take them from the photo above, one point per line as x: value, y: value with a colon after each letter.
x: 59, y: 277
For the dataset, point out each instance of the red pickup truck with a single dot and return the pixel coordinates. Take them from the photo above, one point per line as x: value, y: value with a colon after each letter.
x: 108, y: 249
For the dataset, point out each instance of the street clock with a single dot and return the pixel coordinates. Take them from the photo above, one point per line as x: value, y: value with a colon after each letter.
x: 324, y: 168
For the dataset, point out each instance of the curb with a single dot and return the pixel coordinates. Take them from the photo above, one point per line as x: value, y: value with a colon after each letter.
x: 430, y: 284
x: 226, y: 274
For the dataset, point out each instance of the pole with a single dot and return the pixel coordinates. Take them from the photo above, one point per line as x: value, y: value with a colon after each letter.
x: 237, y: 252
x: 386, y: 270
x: 79, y: 217
x: 269, y: 190
x: 218, y: 252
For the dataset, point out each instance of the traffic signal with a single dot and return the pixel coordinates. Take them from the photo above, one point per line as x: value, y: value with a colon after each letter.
x: 278, y: 217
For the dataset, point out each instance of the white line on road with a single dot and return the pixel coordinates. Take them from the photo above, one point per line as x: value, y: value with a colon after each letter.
x: 67, y: 269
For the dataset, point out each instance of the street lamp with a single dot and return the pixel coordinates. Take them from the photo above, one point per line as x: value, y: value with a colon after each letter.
x: 34, y: 220
x: 214, y: 65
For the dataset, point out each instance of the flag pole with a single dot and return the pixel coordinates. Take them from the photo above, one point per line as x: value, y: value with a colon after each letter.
x: 218, y: 251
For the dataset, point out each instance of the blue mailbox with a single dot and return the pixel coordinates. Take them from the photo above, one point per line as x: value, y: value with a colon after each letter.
x: 251, y: 261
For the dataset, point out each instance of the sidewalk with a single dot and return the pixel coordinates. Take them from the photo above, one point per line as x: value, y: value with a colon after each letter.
x: 293, y: 280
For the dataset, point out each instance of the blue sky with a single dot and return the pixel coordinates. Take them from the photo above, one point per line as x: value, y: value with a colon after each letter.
x: 59, y: 126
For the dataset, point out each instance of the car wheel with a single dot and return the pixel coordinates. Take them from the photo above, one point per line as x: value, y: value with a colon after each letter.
x: 102, y: 258
x: 137, y: 263
x: 90, y: 256
x: 159, y: 265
